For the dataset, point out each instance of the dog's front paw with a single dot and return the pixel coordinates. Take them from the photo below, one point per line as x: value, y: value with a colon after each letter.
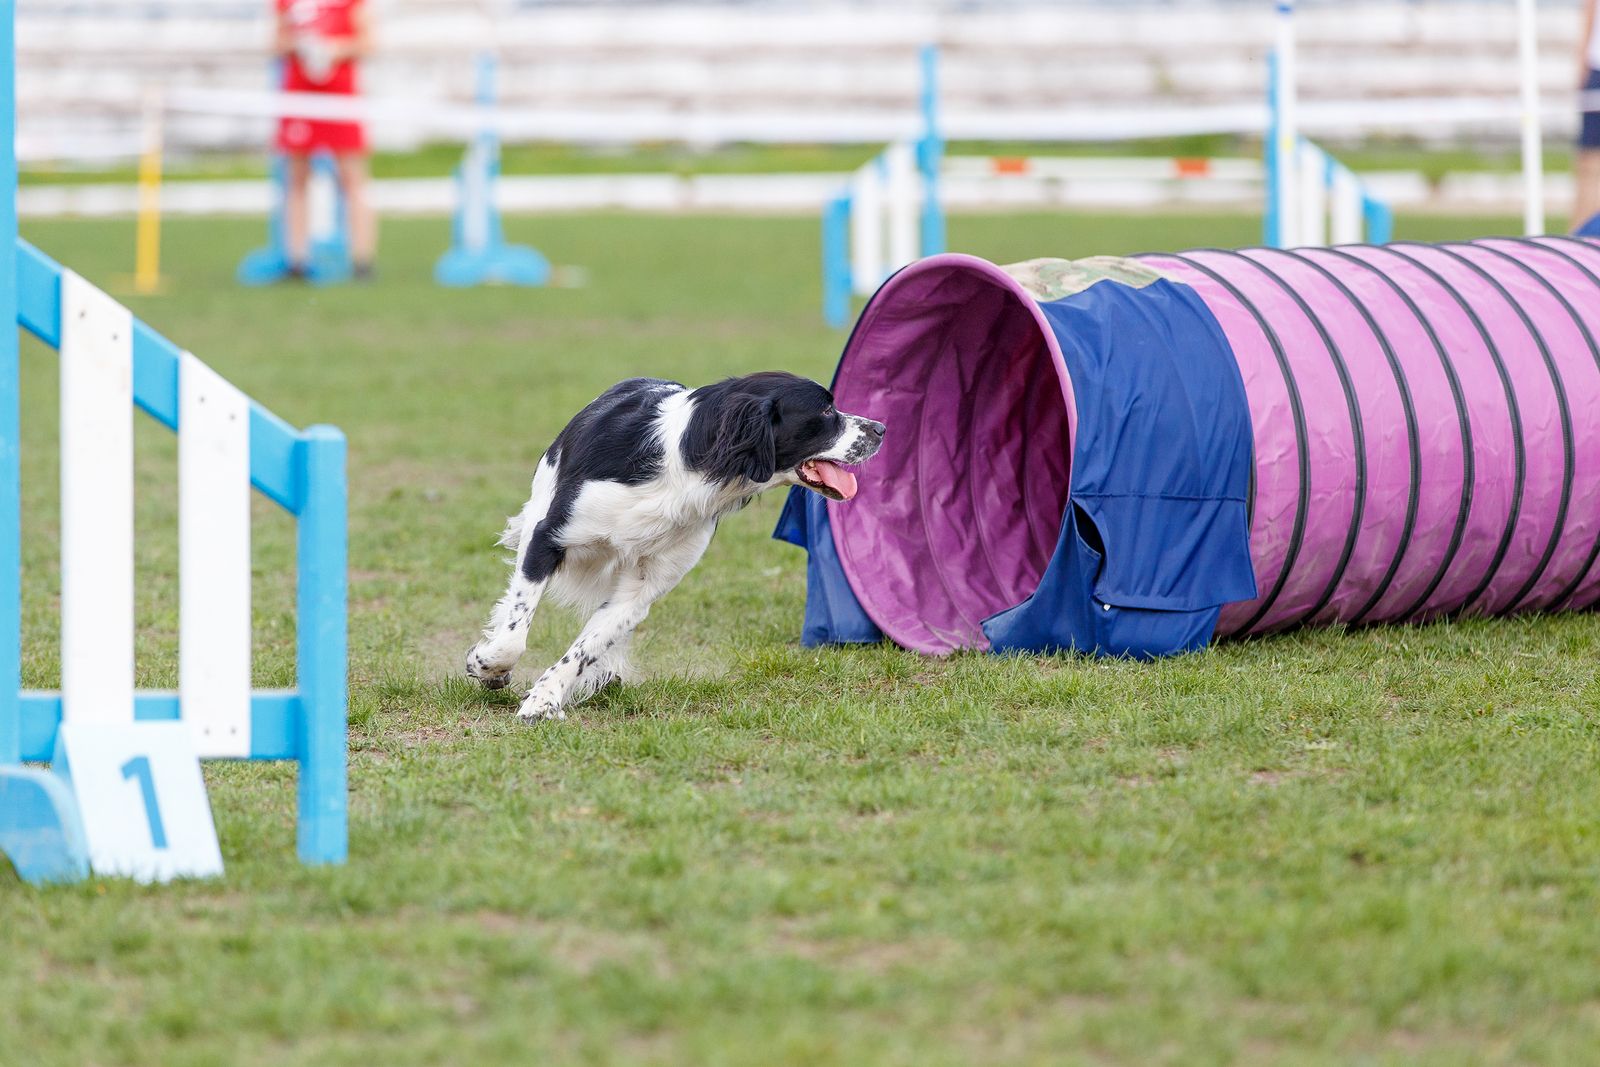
x: 542, y: 702
x: 483, y: 673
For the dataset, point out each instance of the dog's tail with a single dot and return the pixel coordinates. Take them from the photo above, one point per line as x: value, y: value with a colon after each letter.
x: 542, y: 490
x: 511, y: 536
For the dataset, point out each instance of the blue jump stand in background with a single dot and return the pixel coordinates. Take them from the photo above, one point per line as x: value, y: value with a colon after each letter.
x: 330, y: 251
x: 479, y: 254
x: 838, y: 284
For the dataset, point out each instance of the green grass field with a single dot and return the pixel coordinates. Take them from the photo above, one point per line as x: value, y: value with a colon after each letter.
x: 1368, y: 847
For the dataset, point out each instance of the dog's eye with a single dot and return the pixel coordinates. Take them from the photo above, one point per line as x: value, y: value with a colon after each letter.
x: 828, y: 410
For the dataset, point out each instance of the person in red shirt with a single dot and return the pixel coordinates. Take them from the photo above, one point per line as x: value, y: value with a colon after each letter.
x: 320, y: 43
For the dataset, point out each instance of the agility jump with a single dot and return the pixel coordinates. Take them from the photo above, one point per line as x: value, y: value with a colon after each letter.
x: 124, y: 793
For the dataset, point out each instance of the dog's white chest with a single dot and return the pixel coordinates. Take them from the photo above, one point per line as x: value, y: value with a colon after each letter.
x: 641, y: 520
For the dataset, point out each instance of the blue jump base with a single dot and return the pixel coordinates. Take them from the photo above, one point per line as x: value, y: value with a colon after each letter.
x: 329, y: 261
x: 503, y: 265
x: 329, y: 265
x: 39, y: 827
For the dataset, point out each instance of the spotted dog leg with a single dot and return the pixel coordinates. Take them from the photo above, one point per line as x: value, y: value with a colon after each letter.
x: 539, y: 553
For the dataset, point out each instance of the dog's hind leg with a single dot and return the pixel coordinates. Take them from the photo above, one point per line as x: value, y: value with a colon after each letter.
x: 616, y: 664
x: 538, y: 554
x: 601, y: 648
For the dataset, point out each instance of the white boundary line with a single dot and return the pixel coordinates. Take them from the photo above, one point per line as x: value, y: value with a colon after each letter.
x: 777, y: 193
x: 1079, y: 124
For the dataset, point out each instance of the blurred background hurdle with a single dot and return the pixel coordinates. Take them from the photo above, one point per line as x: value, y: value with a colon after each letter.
x: 1311, y: 198
x: 478, y: 253
x: 889, y: 213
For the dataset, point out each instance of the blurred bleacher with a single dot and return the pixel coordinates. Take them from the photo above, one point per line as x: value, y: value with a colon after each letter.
x: 83, y: 64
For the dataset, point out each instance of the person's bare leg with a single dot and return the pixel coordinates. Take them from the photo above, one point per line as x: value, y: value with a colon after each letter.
x: 296, y: 214
x: 358, y: 202
x: 1586, y: 202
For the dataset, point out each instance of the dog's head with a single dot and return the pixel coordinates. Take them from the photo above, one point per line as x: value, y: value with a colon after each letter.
x: 778, y: 429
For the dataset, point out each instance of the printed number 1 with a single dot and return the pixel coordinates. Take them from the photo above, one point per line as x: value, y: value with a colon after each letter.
x: 139, y: 767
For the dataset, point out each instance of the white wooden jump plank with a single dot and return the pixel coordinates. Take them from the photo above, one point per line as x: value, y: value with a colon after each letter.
x: 866, y: 228
x: 96, y: 505
x: 1313, y: 176
x: 1347, y: 208
x: 214, y: 559
x: 901, y: 162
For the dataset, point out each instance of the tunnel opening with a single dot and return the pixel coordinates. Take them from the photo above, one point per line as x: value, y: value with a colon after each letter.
x: 959, y: 514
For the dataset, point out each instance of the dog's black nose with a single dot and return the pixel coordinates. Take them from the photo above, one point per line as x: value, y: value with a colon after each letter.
x: 876, y: 429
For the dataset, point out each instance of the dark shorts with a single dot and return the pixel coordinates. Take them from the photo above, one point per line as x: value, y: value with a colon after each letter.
x: 1589, y: 131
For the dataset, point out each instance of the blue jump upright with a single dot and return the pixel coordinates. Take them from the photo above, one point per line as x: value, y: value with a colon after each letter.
x: 478, y: 253
x: 39, y: 826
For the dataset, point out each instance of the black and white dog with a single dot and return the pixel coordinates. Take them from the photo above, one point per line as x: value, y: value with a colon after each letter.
x: 626, y: 500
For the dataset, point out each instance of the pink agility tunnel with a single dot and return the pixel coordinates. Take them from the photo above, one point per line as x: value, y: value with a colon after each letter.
x: 1415, y: 432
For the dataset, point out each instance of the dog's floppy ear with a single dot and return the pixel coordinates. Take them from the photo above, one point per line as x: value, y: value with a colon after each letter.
x: 745, y: 447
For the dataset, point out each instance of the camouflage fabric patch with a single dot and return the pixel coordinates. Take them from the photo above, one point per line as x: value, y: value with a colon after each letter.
x: 1052, y: 279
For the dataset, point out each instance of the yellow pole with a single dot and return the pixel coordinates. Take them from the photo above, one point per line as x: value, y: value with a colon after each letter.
x: 147, y: 239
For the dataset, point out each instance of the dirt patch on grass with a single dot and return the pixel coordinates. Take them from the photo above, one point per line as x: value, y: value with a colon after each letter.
x: 362, y: 574
x: 1025, y: 1034
x: 582, y: 813
x: 429, y: 734
x: 224, y: 908
x: 722, y: 776
x: 582, y: 950
x: 875, y: 958
x: 443, y: 651
x: 1410, y: 1044
x: 1269, y: 776
x: 925, y: 676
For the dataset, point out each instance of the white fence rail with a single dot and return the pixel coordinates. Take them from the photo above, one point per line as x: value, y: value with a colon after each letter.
x: 83, y: 66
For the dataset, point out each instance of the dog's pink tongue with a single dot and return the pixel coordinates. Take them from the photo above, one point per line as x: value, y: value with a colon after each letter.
x: 835, y: 477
